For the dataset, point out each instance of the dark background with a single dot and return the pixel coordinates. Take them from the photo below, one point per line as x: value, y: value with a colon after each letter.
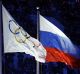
x: 65, y: 12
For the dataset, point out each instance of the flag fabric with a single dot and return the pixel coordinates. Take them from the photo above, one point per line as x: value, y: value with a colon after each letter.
x: 59, y: 47
x: 18, y: 40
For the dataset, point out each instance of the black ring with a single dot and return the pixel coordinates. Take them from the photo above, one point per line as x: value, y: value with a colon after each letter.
x: 28, y: 37
x: 25, y: 35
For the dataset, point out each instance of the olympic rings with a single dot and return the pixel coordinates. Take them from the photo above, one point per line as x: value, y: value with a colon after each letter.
x: 18, y: 31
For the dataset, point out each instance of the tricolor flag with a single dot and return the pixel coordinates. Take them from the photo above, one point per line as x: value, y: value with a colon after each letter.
x: 18, y: 40
x: 58, y: 46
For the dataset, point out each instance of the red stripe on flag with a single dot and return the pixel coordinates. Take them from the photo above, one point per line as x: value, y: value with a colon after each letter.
x: 55, y: 55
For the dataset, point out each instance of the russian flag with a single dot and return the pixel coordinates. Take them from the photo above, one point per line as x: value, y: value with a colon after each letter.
x: 59, y: 47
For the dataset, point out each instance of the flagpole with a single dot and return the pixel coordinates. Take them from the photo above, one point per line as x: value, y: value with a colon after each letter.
x: 1, y: 39
x: 38, y: 24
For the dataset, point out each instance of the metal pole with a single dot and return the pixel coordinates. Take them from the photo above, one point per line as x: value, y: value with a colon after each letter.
x: 38, y: 23
x: 1, y: 37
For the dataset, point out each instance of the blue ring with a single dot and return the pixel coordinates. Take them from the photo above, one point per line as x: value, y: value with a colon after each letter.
x: 10, y: 28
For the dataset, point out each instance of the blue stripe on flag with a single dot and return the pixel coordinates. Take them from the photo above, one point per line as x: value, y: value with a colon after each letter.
x: 55, y: 41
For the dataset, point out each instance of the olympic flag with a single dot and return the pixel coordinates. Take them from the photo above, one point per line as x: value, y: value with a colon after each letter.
x: 17, y: 40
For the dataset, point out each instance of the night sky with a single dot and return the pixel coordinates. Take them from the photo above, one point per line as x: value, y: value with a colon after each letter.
x: 65, y: 12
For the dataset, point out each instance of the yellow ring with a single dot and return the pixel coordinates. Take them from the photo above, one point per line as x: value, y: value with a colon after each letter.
x: 21, y: 39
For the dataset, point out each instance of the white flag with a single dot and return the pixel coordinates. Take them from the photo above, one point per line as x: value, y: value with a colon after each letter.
x: 17, y: 40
